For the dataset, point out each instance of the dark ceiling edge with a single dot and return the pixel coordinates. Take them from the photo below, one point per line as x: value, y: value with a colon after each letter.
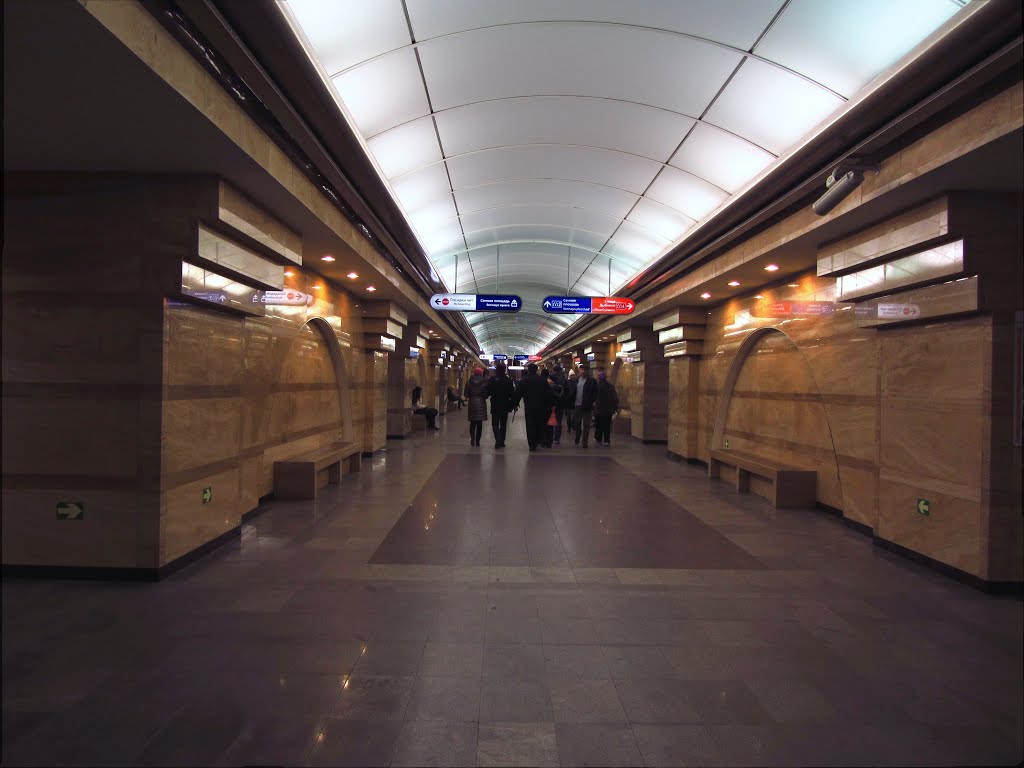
x: 992, y: 30
x: 212, y: 36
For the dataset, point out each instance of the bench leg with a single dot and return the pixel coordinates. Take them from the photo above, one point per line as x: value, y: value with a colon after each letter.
x: 334, y: 473
x: 353, y: 462
x: 714, y: 469
x: 742, y: 481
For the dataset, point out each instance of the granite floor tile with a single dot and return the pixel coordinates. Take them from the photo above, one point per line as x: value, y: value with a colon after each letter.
x: 517, y: 744
x: 675, y: 746
x: 629, y: 661
x: 585, y: 701
x: 503, y: 700
x: 445, y: 698
x: 436, y: 744
x: 592, y: 744
x: 281, y: 739
x: 355, y: 743
x: 656, y: 700
x: 575, y: 662
x: 374, y: 698
x: 521, y: 662
x: 452, y: 660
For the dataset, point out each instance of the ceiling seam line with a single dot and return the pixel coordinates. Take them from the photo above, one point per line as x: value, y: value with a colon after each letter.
x: 578, y: 22
x: 645, y: 158
x: 563, y: 96
x: 440, y: 146
x: 767, y: 29
x: 643, y: 195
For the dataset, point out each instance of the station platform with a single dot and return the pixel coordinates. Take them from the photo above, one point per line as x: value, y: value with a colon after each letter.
x: 450, y: 605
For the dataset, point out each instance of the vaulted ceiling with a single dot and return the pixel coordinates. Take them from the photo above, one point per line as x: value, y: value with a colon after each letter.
x: 560, y: 146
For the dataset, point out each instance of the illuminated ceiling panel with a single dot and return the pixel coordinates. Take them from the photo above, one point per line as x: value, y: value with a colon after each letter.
x: 546, y: 146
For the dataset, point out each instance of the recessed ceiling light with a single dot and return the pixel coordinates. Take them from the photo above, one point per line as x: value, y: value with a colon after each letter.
x: 316, y: 287
x: 793, y: 285
x: 759, y: 296
x: 733, y: 283
x: 327, y: 258
x: 370, y: 288
x: 352, y: 275
x: 771, y: 268
x: 289, y: 273
x: 705, y: 295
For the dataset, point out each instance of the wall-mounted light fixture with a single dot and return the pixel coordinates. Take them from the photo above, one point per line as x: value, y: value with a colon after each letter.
x: 845, y: 178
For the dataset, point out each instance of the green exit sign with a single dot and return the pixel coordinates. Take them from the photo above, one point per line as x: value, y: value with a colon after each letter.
x: 70, y: 510
x: 924, y: 507
x: 207, y: 494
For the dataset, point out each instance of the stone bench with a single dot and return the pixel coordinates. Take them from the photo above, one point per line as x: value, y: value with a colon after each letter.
x: 299, y: 477
x: 791, y: 487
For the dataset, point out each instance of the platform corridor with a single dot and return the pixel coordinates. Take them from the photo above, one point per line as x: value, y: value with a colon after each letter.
x: 462, y: 606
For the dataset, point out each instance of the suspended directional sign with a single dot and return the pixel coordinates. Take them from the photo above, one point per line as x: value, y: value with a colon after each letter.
x: 501, y: 357
x: 520, y: 358
x: 476, y: 302
x: 588, y: 305
x: 534, y: 358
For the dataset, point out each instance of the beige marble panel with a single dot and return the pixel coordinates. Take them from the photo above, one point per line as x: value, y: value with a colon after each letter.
x: 950, y: 533
x: 188, y: 523
x: 200, y: 431
x: 203, y: 347
x: 70, y: 436
x: 860, y: 493
x: 105, y: 537
x: 932, y: 441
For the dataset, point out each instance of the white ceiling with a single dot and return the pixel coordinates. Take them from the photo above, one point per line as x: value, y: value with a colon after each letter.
x: 545, y: 146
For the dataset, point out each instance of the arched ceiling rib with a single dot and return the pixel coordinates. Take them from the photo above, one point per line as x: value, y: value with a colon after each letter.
x: 540, y: 146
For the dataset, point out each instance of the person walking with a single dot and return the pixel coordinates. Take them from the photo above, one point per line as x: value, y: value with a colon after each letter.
x: 606, y: 405
x: 569, y: 400
x: 502, y: 392
x: 537, y: 395
x: 583, y: 404
x: 548, y: 435
x: 560, y: 386
x: 476, y: 394
x: 419, y: 407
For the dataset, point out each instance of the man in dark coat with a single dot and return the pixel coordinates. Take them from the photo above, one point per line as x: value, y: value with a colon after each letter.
x: 583, y: 403
x: 502, y: 392
x: 539, y: 399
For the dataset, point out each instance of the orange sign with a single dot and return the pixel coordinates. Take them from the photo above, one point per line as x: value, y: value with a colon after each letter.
x: 611, y: 305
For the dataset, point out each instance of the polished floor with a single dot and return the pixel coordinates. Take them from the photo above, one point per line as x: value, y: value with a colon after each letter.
x: 464, y: 606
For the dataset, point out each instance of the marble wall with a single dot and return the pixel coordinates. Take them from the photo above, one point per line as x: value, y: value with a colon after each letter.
x: 240, y: 393
x: 132, y: 403
x: 886, y: 416
x: 85, y: 266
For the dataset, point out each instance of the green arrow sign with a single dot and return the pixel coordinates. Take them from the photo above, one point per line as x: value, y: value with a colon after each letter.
x: 70, y: 510
x: 207, y: 494
x: 923, y: 506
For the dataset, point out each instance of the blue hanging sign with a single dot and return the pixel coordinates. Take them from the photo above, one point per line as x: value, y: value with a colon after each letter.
x: 520, y: 358
x: 476, y: 302
x: 585, y: 305
x: 501, y: 357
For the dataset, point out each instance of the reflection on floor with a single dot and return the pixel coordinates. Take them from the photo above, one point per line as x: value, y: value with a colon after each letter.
x: 564, y: 607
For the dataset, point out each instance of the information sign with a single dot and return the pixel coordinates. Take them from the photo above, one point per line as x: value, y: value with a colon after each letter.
x: 898, y: 311
x: 500, y: 357
x: 476, y: 302
x: 534, y: 358
x: 586, y: 305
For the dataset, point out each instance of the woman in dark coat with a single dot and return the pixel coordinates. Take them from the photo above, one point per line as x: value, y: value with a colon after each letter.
x: 476, y: 394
